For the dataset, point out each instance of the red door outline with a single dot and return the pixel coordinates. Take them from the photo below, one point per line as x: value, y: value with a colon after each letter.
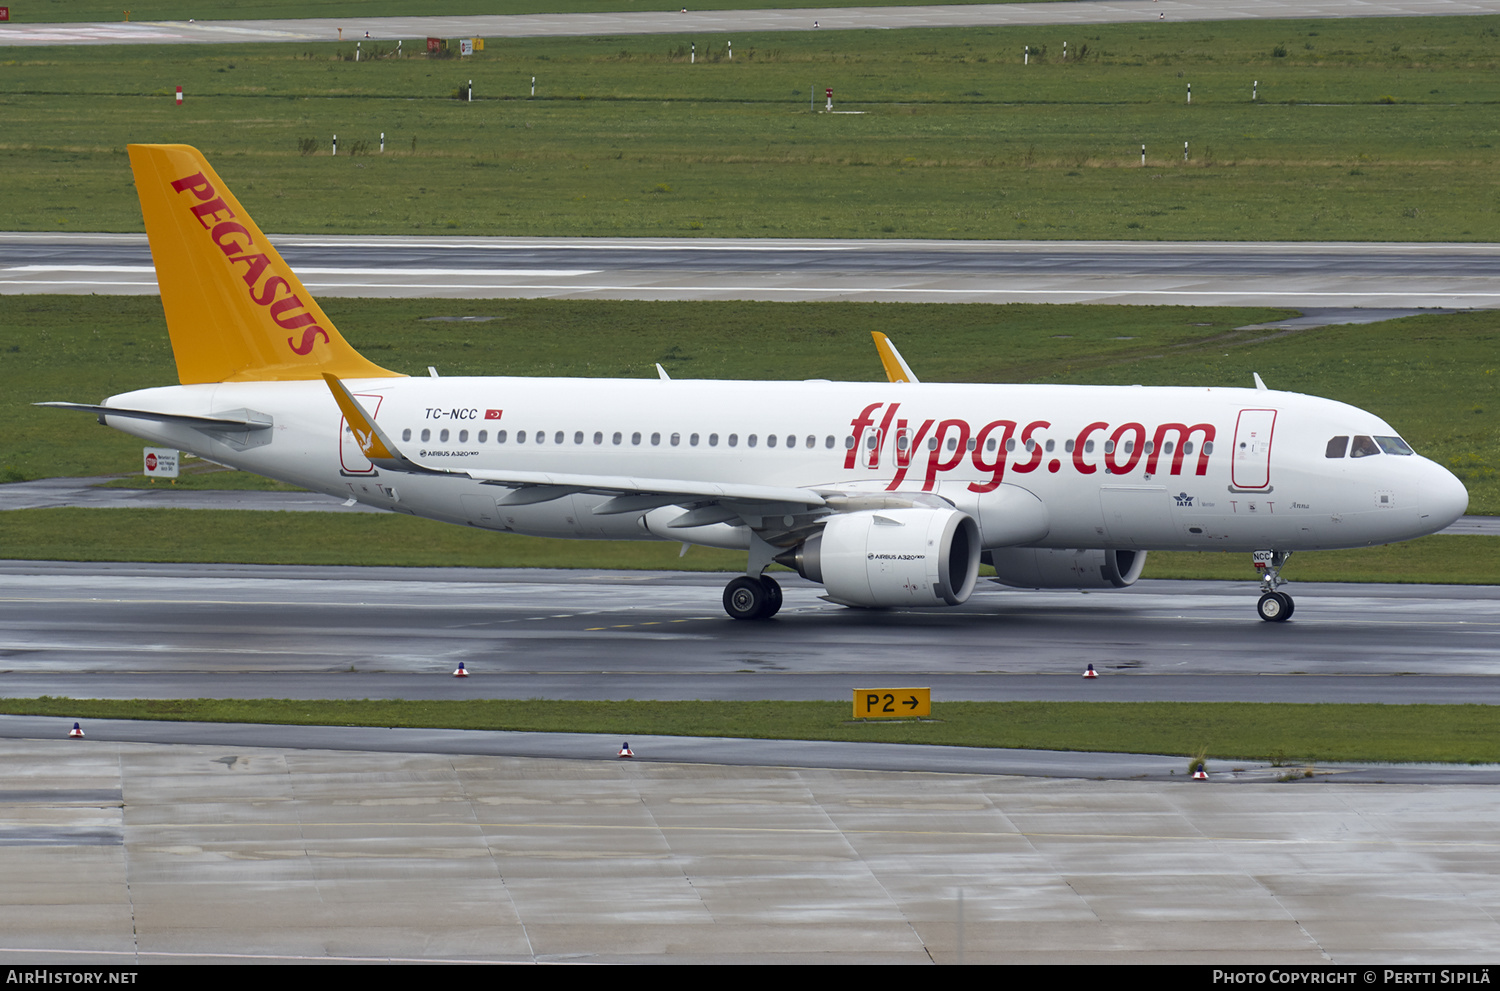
x: 1250, y: 461
x: 349, y: 452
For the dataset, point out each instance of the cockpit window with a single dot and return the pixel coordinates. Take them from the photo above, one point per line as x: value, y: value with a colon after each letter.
x: 1363, y: 447
x: 1337, y: 446
x: 1393, y: 445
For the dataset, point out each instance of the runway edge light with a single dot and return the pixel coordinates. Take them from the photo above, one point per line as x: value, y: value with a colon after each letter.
x: 1091, y: 673
x: 625, y: 750
x: 462, y: 672
x: 1200, y: 774
x: 76, y: 733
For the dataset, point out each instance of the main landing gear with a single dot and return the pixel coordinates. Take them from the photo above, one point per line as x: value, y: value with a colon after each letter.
x: 752, y: 598
x: 1274, y: 606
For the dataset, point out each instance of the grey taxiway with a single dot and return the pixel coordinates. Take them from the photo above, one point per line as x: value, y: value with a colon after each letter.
x: 137, y: 630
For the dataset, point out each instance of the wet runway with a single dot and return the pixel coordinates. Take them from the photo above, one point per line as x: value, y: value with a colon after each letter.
x: 1376, y: 281
x: 135, y: 630
x: 742, y: 22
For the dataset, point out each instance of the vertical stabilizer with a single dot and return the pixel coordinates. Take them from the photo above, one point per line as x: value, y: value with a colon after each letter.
x: 236, y: 312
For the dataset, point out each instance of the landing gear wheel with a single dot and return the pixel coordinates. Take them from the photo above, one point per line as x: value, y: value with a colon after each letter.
x: 773, y: 596
x: 1274, y: 607
x: 747, y: 598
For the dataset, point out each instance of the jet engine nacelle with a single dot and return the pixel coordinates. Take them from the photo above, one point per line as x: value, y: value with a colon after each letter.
x: 892, y: 557
x: 1036, y: 567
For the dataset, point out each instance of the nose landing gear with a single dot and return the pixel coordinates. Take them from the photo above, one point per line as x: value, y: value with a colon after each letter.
x: 1274, y: 606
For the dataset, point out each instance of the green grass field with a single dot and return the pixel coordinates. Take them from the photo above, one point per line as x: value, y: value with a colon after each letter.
x: 1363, y: 130
x: 1294, y: 735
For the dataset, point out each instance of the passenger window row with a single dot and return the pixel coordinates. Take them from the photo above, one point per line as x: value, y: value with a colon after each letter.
x: 618, y: 438
x: 810, y: 442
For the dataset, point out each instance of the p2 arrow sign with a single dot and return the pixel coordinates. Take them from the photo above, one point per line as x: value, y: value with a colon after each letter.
x: 892, y: 703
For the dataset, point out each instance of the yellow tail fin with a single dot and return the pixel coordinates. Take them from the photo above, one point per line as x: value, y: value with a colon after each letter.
x: 236, y: 312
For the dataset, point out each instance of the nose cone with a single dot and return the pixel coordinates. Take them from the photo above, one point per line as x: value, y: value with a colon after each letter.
x: 1444, y: 498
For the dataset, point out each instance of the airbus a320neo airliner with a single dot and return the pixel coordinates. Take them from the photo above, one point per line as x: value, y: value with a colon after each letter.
x: 889, y: 494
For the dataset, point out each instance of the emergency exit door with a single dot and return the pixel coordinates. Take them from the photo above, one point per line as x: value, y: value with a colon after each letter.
x: 1250, y: 467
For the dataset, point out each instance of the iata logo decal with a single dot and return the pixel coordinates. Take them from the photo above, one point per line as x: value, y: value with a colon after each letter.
x: 235, y: 241
x: 1183, y: 499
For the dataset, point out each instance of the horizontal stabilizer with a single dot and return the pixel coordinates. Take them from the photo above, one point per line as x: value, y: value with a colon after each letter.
x: 251, y: 421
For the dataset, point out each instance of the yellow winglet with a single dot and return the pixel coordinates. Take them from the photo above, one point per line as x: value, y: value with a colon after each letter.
x: 235, y: 310
x: 373, y: 443
x: 896, y: 368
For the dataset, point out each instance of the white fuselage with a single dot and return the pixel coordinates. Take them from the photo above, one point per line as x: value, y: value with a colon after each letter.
x: 1109, y: 467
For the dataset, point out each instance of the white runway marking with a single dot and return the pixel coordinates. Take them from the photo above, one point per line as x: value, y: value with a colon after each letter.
x: 555, y: 273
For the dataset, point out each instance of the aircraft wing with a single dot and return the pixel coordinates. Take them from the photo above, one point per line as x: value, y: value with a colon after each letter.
x: 630, y: 494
